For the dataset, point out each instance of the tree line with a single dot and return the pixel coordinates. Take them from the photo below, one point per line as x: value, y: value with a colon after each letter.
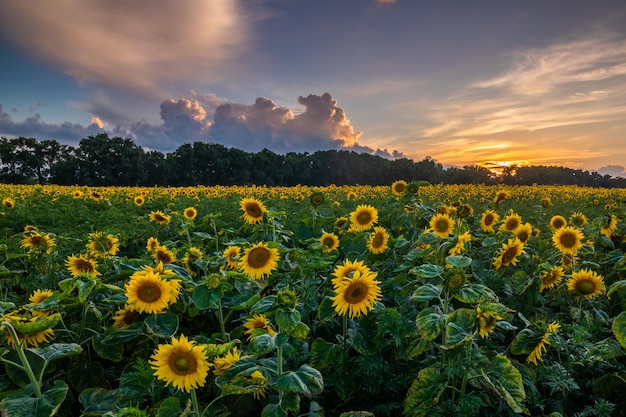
x: 104, y: 161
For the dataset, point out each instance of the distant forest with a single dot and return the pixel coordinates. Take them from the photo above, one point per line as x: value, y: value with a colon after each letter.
x: 103, y: 161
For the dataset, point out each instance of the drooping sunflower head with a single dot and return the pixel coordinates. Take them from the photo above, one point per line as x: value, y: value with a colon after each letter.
x: 148, y: 293
x: 357, y: 295
x: 441, y: 225
x: 551, y: 278
x: 258, y: 324
x: 190, y: 213
x: 501, y: 195
x: 586, y: 284
x: 222, y: 363
x: 609, y: 226
x: 231, y: 257
x: 509, y: 253
x: 259, y: 261
x: 487, y: 221
x: 182, y: 364
x: 512, y: 222
x: 102, y: 245
x: 124, y: 317
x: 568, y: 240
x: 363, y: 218
x: 31, y: 329
x: 78, y: 265
x: 488, y: 315
x: 340, y: 222
x: 330, y: 240
x: 460, y: 246
x: 398, y: 187
x: 39, y: 296
x: 344, y: 271
x: 378, y: 240
x: 253, y: 210
x: 159, y: 218
x: 558, y: 221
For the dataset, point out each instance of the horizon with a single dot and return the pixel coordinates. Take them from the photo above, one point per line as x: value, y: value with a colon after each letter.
x: 462, y: 83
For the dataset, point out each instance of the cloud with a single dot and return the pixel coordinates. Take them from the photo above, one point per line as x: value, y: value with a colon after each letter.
x: 613, y: 170
x: 143, y: 47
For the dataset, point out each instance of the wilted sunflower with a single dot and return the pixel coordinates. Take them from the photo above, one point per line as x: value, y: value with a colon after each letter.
x: 159, y: 218
x: 558, y: 221
x: 378, y: 239
x: 568, y: 240
x: 231, y: 255
x: 181, y: 364
x: 524, y: 232
x: 31, y: 329
x: 398, y: 187
x: 253, y: 210
x: 163, y: 254
x: 363, y: 218
x: 257, y: 322
x: 190, y: 213
x: 124, y: 317
x: 509, y: 253
x: 487, y: 317
x: 259, y: 261
x: 578, y: 219
x: 152, y: 244
x: 148, y: 293
x: 441, y: 225
x: 356, y: 295
x: 36, y: 242
x: 537, y: 352
x: 344, y: 271
x: 78, y: 265
x: 330, y: 240
x: 488, y: 220
x: 551, y: 278
x: 511, y: 222
x: 222, y: 363
x: 586, y: 284
x: 101, y: 245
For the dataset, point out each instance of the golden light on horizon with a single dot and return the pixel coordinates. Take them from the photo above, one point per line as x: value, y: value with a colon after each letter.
x: 498, y: 167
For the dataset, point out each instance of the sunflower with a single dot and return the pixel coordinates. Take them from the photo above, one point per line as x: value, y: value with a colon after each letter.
x: 524, y: 232
x: 568, y: 240
x: 77, y: 194
x: 378, y: 239
x: 460, y: 244
x: 181, y: 363
x: 78, y: 265
x: 578, y: 219
x: 398, y: 187
x: 253, y: 210
x: 609, y: 227
x: 152, y: 244
x: 193, y: 254
x: 509, y: 253
x: 36, y: 242
x: 147, y: 293
x: 159, y: 218
x: 556, y: 222
x: 351, y: 195
x: 356, y: 295
x: 163, y: 254
x: 139, y: 200
x: 39, y: 296
x: 316, y: 199
x: 465, y: 210
x: 501, y: 195
x: 330, y: 240
x: 256, y: 323
x: 8, y: 203
x: 586, y: 284
x: 340, y: 222
x: 487, y: 317
x: 222, y: 363
x: 363, y: 218
x: 30, y: 330
x: 488, y: 220
x: 551, y: 278
x: 259, y: 261
x: 441, y: 225
x: 190, y: 213
x: 231, y: 255
x: 511, y: 222
x: 124, y: 317
x: 344, y: 271
x: 535, y: 355
x: 101, y: 245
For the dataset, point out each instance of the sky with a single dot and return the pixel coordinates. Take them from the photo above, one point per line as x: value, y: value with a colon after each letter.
x: 464, y: 82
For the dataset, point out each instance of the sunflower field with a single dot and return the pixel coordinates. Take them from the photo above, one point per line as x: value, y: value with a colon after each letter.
x: 410, y: 299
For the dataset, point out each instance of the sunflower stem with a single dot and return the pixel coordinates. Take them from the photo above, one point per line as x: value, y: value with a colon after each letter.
x: 194, y: 403
x: 345, y: 344
x: 279, y: 360
x: 221, y: 318
x: 25, y: 364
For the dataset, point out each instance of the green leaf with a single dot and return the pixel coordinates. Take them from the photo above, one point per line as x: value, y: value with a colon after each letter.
x: 287, y: 320
x: 112, y: 352
x: 619, y: 328
x: 169, y: 407
x: 273, y: 410
x: 459, y: 261
x: 114, y: 336
x: 427, y: 270
x: 212, y: 350
x: 23, y: 402
x: 263, y: 344
x: 424, y: 393
x: 430, y: 322
x: 475, y: 293
x: 427, y: 292
x: 203, y: 297
x: 290, y: 401
x: 460, y: 327
x: 248, y: 302
x: 507, y: 381
x: 615, y: 287
x: 85, y: 288
x: 263, y: 305
x: 99, y: 400
x: 524, y: 342
x: 162, y: 325
x: 57, y: 350
x: 306, y: 380
x: 6, y: 306
x: 301, y: 331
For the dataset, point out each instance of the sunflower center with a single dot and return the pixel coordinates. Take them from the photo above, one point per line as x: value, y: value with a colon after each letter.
x: 253, y: 210
x: 585, y: 287
x: 512, y: 224
x: 568, y: 240
x: 489, y: 219
x: 523, y: 236
x: 399, y: 188
x: 35, y: 240
x: 356, y: 293
x: 558, y: 223
x: 549, y: 278
x: 149, y: 293
x: 509, y: 255
x: 363, y: 218
x: 258, y: 257
x: 159, y: 218
x: 329, y: 242
x: 442, y: 226
x: 84, y: 266
x: 183, y: 363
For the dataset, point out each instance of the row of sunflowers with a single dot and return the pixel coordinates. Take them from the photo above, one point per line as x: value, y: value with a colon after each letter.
x: 411, y: 299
